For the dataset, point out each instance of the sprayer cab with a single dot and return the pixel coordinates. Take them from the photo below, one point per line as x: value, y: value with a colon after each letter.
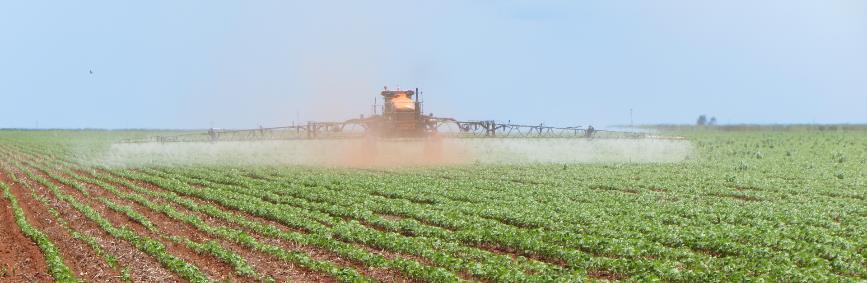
x: 399, y: 101
x: 401, y: 115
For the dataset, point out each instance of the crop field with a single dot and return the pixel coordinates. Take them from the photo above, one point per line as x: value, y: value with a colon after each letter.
x: 775, y: 204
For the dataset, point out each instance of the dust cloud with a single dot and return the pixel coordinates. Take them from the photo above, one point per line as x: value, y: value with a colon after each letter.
x: 391, y: 153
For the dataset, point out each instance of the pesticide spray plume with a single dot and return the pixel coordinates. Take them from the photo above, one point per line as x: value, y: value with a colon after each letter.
x: 398, y: 134
x: 435, y: 151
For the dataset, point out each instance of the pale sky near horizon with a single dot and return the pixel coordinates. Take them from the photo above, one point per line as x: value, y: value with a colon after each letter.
x: 239, y: 64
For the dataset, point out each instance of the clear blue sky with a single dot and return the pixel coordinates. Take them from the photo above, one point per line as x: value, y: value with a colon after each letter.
x: 193, y: 64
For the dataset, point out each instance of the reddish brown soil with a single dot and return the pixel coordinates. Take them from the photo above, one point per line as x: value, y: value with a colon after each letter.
x: 513, y: 253
x: 20, y: 258
x: 381, y: 274
x: 391, y: 217
x: 394, y: 255
x: 78, y: 256
x: 265, y: 264
x: 602, y: 274
x: 142, y: 268
x: 209, y: 265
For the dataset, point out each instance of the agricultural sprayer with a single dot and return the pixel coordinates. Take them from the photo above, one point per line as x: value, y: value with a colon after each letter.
x: 400, y: 116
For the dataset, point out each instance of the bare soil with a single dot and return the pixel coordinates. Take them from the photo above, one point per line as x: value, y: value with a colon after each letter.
x: 381, y: 274
x: 85, y: 262
x: 211, y: 266
x: 20, y: 258
x: 79, y: 257
x: 265, y: 264
x: 141, y: 267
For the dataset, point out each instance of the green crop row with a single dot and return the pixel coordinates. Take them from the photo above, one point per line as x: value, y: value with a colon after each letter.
x: 780, y: 259
x: 90, y: 240
x: 729, y: 263
x: 411, y: 268
x: 479, y: 228
x: 755, y: 205
x: 58, y: 270
x: 220, y: 231
x: 148, y: 246
x: 211, y: 247
x: 340, y: 203
x: 492, y: 266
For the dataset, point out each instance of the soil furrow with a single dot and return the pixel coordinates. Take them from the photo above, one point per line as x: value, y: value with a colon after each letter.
x: 215, y: 269
x: 266, y: 265
x: 81, y: 259
x: 20, y: 259
x: 381, y: 274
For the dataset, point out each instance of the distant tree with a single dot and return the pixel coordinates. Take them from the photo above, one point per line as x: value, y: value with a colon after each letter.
x: 702, y: 120
x: 712, y: 121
